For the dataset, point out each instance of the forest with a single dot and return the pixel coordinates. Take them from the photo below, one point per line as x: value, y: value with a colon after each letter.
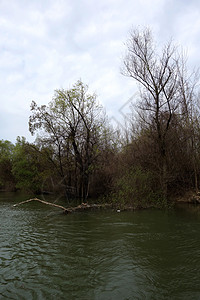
x: 150, y: 161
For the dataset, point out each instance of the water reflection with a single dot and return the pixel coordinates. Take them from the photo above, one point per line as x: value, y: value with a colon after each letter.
x: 104, y: 255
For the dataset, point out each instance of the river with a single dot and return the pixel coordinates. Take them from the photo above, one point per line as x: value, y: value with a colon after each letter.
x: 104, y: 255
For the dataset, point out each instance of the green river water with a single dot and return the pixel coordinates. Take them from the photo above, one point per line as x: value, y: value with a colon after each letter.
x: 147, y: 254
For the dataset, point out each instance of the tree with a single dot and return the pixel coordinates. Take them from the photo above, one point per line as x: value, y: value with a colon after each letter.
x: 159, y: 76
x: 71, y: 126
x: 26, y: 167
x: 190, y: 119
x: 7, y: 180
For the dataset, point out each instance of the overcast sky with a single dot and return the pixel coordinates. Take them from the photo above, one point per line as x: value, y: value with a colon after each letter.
x: 47, y: 45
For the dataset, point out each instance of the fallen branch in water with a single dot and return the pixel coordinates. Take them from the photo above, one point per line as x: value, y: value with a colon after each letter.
x: 81, y: 207
x: 42, y: 201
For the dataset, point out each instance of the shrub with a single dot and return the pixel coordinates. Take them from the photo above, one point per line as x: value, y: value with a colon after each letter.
x: 136, y: 188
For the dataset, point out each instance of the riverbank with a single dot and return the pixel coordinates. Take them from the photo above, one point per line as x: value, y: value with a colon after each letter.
x: 189, y: 197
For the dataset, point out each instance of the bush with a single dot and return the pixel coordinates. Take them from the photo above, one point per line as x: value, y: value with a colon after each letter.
x: 136, y: 188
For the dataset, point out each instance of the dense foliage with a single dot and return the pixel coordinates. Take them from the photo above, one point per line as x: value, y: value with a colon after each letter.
x: 78, y: 154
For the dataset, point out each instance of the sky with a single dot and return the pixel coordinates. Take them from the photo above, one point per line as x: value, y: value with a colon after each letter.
x: 47, y: 45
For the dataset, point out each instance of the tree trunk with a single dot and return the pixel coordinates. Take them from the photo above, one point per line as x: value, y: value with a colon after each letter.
x: 164, y: 181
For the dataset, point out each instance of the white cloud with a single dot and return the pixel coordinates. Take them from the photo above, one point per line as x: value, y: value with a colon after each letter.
x: 45, y: 45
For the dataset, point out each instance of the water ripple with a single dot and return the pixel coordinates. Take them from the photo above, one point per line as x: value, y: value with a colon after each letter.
x: 98, y: 255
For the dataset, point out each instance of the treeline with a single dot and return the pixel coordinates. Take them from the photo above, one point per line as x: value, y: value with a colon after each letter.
x: 77, y: 153
x: 71, y: 153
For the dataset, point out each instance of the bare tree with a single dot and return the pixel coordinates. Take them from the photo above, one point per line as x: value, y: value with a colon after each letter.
x: 161, y: 99
x: 190, y: 116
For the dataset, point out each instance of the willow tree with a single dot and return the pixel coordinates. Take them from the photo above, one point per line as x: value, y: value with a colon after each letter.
x: 71, y: 126
x: 158, y: 74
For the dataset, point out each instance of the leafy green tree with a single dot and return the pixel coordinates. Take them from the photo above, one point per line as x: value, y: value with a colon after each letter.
x: 26, y: 167
x: 7, y: 181
x: 71, y: 127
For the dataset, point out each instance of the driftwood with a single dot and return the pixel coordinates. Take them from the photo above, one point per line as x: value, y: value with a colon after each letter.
x: 81, y: 207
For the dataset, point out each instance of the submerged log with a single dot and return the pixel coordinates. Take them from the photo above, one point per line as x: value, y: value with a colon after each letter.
x: 81, y: 207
